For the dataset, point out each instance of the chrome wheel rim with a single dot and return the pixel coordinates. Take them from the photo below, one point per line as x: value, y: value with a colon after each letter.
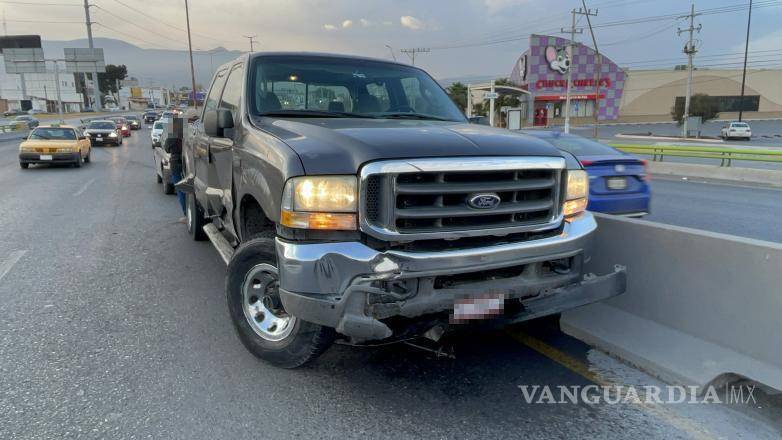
x: 261, y: 304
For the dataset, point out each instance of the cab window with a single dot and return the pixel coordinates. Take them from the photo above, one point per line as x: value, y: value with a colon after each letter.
x: 232, y: 94
x: 51, y: 133
x: 214, y: 92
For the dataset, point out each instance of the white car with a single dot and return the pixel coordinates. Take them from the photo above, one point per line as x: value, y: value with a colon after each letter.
x: 157, y: 132
x: 736, y: 130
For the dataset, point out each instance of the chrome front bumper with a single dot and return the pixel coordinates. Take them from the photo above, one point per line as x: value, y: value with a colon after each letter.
x: 330, y: 283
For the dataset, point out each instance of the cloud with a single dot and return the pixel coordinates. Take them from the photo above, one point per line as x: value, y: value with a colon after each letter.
x: 411, y: 22
x: 329, y: 27
x: 495, y: 6
x: 347, y: 23
x: 364, y: 22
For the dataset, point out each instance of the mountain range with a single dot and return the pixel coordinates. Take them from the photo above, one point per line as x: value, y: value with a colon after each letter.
x: 152, y: 67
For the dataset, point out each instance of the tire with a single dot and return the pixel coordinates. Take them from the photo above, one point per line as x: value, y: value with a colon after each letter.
x: 88, y: 157
x: 290, y: 345
x: 24, y: 165
x: 159, y: 179
x: 78, y: 162
x: 168, y: 186
x: 195, y: 218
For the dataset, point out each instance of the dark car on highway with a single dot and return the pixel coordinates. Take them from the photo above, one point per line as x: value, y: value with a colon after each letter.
x: 103, y: 132
x: 618, y: 182
x: 133, y: 121
x: 27, y: 119
x: 151, y: 116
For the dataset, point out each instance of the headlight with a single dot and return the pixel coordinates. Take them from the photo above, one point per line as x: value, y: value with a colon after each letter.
x: 320, y: 202
x: 112, y: 135
x: 66, y: 150
x: 576, y: 193
x: 124, y: 127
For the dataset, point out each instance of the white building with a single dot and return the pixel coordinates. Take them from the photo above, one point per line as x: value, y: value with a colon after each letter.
x: 138, y: 98
x: 40, y: 89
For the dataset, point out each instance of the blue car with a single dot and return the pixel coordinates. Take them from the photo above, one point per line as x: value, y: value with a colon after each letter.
x: 618, y: 182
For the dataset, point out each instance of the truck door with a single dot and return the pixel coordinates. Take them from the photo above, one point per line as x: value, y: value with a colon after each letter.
x: 221, y: 149
x: 201, y: 142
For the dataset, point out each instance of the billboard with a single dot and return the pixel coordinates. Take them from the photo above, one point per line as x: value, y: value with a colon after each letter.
x: 544, y: 67
x: 20, y: 42
x: 28, y: 60
x: 83, y: 60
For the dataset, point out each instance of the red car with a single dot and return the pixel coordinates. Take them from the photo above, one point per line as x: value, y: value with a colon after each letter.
x: 123, y: 126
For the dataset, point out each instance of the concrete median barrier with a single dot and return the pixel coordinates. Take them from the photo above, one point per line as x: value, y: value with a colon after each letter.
x: 700, y: 307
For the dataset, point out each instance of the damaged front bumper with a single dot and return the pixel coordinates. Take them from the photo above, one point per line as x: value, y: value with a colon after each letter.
x: 356, y: 289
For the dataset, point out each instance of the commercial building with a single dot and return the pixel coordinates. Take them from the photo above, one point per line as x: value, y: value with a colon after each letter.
x: 628, y: 95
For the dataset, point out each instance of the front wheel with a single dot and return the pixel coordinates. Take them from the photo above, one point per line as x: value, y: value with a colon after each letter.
x: 263, y: 326
x: 195, y: 218
x: 24, y: 165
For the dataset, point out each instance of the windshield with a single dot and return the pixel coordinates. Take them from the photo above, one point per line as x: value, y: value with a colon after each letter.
x: 739, y: 125
x: 103, y: 125
x: 344, y: 87
x: 48, y: 133
x: 131, y: 118
x: 581, y: 146
x: 158, y: 126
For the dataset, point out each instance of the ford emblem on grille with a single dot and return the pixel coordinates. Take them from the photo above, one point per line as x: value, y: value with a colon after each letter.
x: 483, y: 201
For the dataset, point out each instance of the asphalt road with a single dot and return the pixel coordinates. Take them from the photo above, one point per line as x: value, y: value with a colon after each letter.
x: 114, y: 325
x: 747, y: 211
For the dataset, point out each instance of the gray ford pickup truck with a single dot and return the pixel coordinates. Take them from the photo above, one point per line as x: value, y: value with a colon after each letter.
x: 352, y: 199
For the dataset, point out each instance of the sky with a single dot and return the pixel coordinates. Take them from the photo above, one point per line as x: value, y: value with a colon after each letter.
x: 465, y: 37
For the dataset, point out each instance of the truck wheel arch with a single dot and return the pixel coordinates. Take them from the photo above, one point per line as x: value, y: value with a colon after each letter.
x: 253, y: 220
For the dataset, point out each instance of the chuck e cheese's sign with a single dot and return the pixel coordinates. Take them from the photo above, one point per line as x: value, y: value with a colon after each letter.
x: 544, y: 67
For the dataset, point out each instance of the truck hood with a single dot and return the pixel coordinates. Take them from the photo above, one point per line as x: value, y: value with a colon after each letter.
x: 342, y: 145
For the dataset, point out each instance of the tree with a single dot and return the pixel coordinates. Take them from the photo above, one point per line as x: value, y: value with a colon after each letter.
x: 107, y: 81
x: 458, y: 93
x: 700, y: 105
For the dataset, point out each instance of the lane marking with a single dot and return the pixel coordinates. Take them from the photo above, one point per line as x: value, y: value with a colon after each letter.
x: 10, y: 262
x: 582, y: 369
x: 84, y: 188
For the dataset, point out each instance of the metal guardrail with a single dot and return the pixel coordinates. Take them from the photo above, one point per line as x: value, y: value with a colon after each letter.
x: 725, y: 155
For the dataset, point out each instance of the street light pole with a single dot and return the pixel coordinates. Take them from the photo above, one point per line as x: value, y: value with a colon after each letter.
x: 744, y: 72
x: 689, y: 50
x: 190, y: 50
x: 391, y: 49
x: 572, y: 31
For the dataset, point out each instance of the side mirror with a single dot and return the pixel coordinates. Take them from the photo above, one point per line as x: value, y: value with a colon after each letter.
x: 81, y: 138
x: 215, y: 121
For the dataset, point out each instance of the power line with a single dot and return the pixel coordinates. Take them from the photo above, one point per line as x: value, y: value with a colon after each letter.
x: 172, y: 26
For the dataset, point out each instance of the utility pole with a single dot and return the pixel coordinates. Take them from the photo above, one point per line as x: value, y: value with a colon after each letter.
x: 572, y: 31
x: 598, y: 69
x: 744, y: 73
x: 57, y: 86
x: 411, y: 52
x: 689, y: 50
x: 95, y: 84
x: 251, y: 38
x: 491, y: 105
x: 190, y: 50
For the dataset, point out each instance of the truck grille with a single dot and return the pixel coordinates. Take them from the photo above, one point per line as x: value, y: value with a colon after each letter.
x: 439, y: 196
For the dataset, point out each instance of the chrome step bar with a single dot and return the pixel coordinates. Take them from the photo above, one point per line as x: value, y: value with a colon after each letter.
x: 224, y: 248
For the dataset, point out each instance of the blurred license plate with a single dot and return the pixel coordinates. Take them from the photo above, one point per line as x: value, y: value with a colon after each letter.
x: 46, y: 157
x: 482, y: 307
x: 616, y: 183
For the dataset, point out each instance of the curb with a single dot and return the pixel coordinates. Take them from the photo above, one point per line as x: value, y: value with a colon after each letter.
x: 731, y: 174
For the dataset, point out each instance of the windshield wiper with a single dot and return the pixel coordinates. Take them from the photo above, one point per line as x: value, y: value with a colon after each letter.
x: 313, y: 114
x: 403, y: 115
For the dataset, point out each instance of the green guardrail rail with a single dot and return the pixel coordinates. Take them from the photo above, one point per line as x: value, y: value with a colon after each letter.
x: 724, y: 154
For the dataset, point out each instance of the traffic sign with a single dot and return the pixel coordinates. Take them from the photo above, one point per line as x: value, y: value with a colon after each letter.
x: 491, y: 95
x: 83, y: 60
x: 25, y: 60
